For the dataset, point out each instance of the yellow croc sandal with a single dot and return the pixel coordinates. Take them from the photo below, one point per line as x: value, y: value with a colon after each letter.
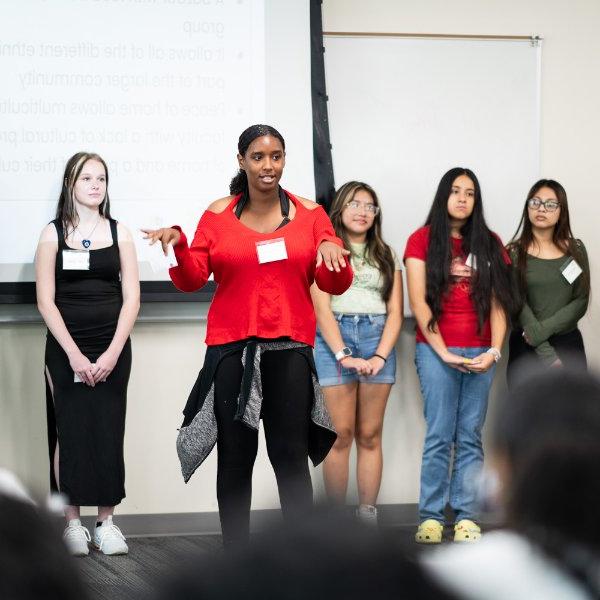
x: 429, y: 532
x: 465, y: 531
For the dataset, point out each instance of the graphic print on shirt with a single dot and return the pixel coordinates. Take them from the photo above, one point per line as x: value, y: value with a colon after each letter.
x: 460, y: 274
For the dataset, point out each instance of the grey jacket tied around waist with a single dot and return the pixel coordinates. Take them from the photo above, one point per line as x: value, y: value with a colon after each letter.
x: 198, y: 433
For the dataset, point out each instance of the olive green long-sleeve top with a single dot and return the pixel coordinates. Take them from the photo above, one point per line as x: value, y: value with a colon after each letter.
x: 553, y: 305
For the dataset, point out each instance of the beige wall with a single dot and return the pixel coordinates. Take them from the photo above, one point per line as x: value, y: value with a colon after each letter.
x: 167, y: 356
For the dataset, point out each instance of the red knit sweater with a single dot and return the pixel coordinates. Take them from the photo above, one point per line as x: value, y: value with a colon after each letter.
x: 268, y: 300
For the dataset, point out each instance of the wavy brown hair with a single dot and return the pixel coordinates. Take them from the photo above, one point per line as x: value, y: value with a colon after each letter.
x: 562, y: 236
x: 377, y: 252
x: 65, y: 210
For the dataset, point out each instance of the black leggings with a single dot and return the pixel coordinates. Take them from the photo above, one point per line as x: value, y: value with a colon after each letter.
x: 523, y: 360
x: 287, y: 400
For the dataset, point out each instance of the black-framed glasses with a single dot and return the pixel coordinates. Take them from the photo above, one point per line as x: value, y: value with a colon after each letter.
x: 372, y: 209
x: 549, y: 205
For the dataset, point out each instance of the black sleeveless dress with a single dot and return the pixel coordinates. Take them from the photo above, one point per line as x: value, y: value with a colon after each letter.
x: 89, y: 421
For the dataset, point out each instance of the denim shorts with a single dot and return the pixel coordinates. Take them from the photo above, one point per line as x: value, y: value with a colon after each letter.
x: 361, y: 333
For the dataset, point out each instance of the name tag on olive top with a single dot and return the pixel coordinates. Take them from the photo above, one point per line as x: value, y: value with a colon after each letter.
x: 572, y: 271
x: 76, y: 260
x: 271, y: 250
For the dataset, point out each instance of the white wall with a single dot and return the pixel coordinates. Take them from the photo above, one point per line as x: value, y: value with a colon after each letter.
x: 168, y: 356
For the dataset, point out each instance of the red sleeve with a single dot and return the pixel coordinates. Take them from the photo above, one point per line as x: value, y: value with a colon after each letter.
x: 503, y: 251
x: 328, y: 281
x: 193, y: 264
x: 323, y: 229
x: 417, y: 244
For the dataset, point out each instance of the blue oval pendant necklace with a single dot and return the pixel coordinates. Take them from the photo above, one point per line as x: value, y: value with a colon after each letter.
x: 86, y: 242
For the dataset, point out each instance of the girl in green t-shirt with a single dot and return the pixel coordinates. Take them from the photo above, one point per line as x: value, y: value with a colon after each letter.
x: 552, y: 277
x: 354, y: 346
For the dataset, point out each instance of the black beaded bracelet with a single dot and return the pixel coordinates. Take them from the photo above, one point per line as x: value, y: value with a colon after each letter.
x: 381, y: 357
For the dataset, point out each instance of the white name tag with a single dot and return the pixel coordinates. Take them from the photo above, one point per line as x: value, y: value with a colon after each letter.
x: 572, y: 271
x: 160, y: 262
x: 76, y: 260
x: 76, y: 378
x: 271, y: 250
x: 471, y: 261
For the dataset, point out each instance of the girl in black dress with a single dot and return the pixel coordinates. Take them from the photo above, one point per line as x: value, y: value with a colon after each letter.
x: 88, y: 294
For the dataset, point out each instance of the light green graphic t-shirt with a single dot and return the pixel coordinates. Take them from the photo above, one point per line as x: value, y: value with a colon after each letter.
x: 364, y: 295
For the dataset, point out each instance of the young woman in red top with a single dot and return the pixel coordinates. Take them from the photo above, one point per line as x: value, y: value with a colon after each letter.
x: 459, y: 291
x: 265, y: 248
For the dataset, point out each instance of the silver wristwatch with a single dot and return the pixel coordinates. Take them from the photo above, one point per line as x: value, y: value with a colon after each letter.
x: 343, y: 353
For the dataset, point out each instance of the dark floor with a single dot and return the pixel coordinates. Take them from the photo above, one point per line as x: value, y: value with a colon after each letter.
x: 134, y: 575
x: 151, y: 558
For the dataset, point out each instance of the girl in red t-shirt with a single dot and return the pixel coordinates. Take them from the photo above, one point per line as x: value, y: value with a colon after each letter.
x: 459, y: 291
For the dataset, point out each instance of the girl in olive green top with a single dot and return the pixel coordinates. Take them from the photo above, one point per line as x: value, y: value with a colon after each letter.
x: 553, y: 278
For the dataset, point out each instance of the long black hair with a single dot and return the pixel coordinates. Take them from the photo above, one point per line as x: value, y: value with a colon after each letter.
x: 239, y: 182
x: 491, y: 278
x: 547, y: 432
x: 66, y: 212
x: 562, y: 236
x: 378, y: 252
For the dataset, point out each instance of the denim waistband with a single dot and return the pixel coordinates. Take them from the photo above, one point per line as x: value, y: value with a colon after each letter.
x: 357, y: 317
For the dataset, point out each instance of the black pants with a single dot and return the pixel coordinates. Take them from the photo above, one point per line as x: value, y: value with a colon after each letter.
x: 287, y: 399
x: 523, y: 360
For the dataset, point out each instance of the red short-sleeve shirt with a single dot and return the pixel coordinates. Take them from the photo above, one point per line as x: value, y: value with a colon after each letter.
x: 458, y: 323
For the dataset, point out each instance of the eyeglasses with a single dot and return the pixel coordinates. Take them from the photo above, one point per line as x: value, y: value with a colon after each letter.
x: 549, y: 205
x: 372, y: 209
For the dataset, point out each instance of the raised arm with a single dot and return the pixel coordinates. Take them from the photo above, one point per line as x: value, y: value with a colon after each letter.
x: 45, y: 262
x: 193, y: 262
x: 333, y: 274
x: 130, y: 287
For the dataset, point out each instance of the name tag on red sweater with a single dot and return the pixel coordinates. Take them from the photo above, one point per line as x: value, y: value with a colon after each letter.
x: 271, y: 250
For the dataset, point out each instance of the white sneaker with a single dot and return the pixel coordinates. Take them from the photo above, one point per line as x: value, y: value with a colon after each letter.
x: 109, y: 539
x: 76, y: 538
x: 367, y: 515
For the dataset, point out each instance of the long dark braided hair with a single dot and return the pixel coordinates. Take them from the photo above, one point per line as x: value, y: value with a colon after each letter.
x: 491, y: 278
x: 239, y: 182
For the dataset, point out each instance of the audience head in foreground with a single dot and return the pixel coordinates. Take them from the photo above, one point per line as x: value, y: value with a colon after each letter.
x: 34, y: 563
x: 318, y: 558
x: 546, y: 451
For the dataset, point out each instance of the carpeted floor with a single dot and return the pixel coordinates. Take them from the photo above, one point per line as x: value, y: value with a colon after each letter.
x: 150, y: 559
x: 135, y: 574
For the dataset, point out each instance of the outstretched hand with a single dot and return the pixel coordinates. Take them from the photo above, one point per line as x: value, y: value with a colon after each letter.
x: 332, y: 255
x: 167, y: 236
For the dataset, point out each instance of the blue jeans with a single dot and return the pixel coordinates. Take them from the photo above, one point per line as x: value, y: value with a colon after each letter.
x: 455, y: 405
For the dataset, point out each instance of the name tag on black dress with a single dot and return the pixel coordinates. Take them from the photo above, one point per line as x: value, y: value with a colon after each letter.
x: 76, y: 260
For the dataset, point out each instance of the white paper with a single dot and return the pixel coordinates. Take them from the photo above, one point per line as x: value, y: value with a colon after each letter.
x: 271, y: 250
x: 159, y: 262
x: 471, y: 261
x: 76, y: 260
x: 572, y: 271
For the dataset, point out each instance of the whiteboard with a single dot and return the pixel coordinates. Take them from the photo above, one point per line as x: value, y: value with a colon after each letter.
x: 403, y: 111
x: 161, y: 90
